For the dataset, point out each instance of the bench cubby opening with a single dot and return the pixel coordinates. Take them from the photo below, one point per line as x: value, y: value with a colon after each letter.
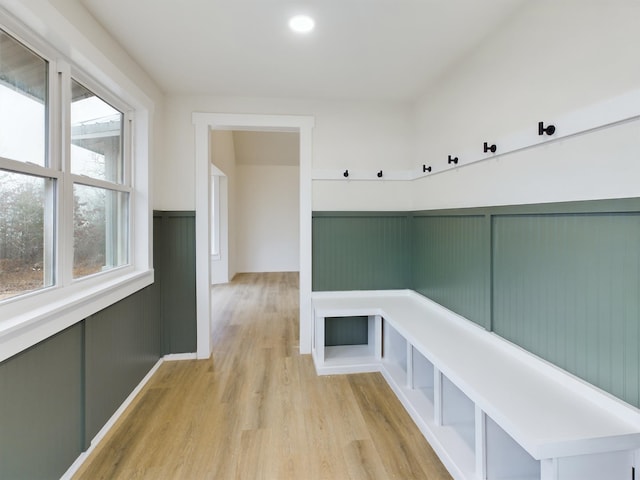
x: 349, y: 338
x: 346, y: 344
x: 505, y: 458
x: 394, y: 353
x: 422, y: 373
x: 457, y: 417
x: 419, y: 389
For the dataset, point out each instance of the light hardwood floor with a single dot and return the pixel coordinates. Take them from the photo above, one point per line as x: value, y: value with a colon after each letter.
x: 257, y: 410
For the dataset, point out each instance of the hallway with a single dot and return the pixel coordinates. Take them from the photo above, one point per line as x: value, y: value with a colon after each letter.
x: 257, y: 410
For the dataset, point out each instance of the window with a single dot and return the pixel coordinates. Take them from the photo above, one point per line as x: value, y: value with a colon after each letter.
x: 75, y: 140
x: 25, y: 246
x: 100, y: 194
x: 27, y: 185
x: 96, y: 136
x: 23, y: 102
x: 99, y: 229
x: 59, y: 186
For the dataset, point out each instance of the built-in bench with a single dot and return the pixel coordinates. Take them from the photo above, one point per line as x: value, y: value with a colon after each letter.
x: 489, y: 409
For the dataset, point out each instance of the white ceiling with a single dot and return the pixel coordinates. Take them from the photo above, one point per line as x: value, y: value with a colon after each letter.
x: 360, y: 49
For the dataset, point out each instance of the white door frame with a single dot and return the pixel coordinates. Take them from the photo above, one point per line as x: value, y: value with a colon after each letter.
x: 204, y: 123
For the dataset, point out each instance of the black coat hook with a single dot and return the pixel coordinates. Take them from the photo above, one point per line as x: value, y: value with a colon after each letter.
x: 346, y: 173
x: 549, y: 129
x: 452, y: 160
x: 425, y: 168
x: 491, y: 148
x: 380, y: 174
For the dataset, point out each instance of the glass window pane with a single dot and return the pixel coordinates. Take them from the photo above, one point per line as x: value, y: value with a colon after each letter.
x: 101, y: 239
x: 23, y: 102
x: 26, y: 233
x: 96, y: 136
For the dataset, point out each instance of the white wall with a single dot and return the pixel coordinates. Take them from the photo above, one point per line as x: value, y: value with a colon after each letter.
x: 110, y: 50
x: 364, y: 135
x: 268, y: 218
x: 267, y: 148
x: 550, y: 59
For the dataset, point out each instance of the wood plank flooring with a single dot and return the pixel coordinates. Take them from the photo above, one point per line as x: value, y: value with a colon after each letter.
x: 257, y: 410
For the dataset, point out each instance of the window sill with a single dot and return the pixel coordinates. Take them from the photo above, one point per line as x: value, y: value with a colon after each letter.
x: 58, y: 309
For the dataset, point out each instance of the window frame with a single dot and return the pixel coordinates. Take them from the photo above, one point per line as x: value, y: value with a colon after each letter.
x: 28, y: 318
x: 49, y: 170
x: 125, y: 186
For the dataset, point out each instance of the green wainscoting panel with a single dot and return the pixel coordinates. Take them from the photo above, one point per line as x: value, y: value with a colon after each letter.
x: 122, y: 343
x: 361, y: 251
x: 567, y: 288
x: 174, y: 245
x: 41, y: 423
x: 562, y: 280
x: 346, y: 331
x: 55, y: 396
x: 451, y: 263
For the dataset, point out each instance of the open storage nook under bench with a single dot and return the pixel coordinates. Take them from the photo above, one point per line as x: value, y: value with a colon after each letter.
x: 489, y: 409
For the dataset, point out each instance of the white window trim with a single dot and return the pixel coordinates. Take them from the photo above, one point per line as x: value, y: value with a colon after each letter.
x: 30, y: 318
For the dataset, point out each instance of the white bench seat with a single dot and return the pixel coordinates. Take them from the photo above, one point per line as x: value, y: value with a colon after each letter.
x: 548, y: 412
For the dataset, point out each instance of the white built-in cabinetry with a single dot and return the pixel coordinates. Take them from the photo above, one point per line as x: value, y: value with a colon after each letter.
x: 489, y: 409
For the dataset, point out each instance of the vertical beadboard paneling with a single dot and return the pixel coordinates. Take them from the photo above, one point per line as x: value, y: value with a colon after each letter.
x: 561, y: 280
x: 450, y: 263
x: 41, y: 408
x: 175, y: 266
x: 346, y: 331
x: 122, y: 343
x: 567, y: 288
x: 360, y: 251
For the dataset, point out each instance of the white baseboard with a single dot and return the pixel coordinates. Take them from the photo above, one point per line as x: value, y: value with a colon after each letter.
x: 174, y: 357
x: 118, y: 413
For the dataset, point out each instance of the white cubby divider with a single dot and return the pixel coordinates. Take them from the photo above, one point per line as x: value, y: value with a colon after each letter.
x: 480, y: 443
x: 490, y: 410
x: 437, y: 396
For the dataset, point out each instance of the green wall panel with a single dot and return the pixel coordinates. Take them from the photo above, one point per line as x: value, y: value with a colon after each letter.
x: 41, y: 425
x: 174, y: 248
x: 451, y: 263
x: 122, y: 343
x: 55, y: 396
x: 360, y: 251
x: 567, y: 288
x: 346, y: 331
x: 561, y: 280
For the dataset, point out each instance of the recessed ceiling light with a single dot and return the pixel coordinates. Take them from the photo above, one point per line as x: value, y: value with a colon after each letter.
x: 301, y: 24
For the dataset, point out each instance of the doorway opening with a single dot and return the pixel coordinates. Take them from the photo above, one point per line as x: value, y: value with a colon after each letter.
x: 255, y: 203
x: 204, y: 124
